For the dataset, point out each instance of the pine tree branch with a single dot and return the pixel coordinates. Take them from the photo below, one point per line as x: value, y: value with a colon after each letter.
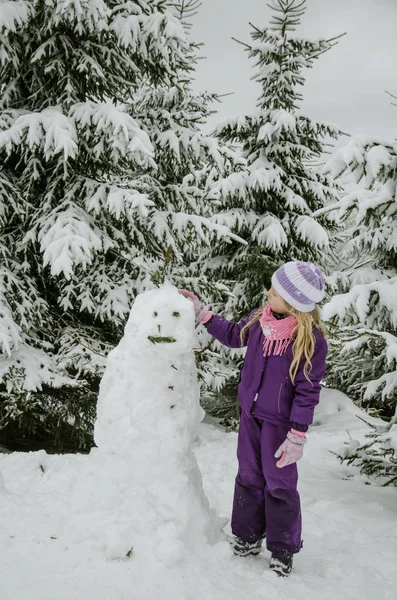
x: 291, y: 11
x: 337, y: 37
x: 74, y: 337
x: 186, y: 9
x: 224, y: 95
x: 242, y: 43
x: 207, y: 347
x: 253, y: 27
x: 390, y: 94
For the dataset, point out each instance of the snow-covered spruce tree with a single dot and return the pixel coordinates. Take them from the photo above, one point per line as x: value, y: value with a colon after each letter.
x: 81, y: 229
x: 188, y: 162
x: 364, y: 365
x: 272, y: 203
x: 363, y: 361
x: 377, y: 456
x: 172, y: 114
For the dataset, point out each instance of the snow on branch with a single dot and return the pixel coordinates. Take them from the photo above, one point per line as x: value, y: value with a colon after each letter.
x: 364, y: 157
x: 10, y: 332
x: 270, y: 233
x: 67, y: 239
x: 85, y: 16
x: 50, y: 131
x: 310, y: 230
x: 359, y: 300
x: 363, y: 201
x: 182, y: 221
x: 111, y: 124
x: 235, y: 218
x: 140, y: 31
x: 387, y: 382
x: 28, y: 369
x: 121, y: 200
x: 14, y: 15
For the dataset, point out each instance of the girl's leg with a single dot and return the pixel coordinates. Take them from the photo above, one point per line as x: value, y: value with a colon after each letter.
x: 248, y: 516
x: 283, y: 510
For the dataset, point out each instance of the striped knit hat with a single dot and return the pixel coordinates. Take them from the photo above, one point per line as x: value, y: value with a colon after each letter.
x: 301, y: 284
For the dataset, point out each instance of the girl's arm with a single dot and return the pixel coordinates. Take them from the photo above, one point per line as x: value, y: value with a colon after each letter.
x: 227, y: 332
x: 307, y: 393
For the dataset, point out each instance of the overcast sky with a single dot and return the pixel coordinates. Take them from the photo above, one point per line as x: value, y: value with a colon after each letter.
x: 346, y: 86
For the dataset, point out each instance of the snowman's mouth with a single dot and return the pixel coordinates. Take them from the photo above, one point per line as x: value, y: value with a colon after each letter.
x: 157, y: 339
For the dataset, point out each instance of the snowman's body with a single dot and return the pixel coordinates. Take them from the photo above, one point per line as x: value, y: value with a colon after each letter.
x: 143, y: 478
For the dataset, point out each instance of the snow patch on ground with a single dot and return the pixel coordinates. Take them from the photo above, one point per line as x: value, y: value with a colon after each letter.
x: 349, y: 530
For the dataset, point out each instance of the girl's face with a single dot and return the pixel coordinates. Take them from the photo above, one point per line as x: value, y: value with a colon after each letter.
x: 277, y: 304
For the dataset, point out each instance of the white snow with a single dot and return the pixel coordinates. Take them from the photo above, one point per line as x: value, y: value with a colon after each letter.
x: 113, y: 126
x: 14, y: 15
x: 359, y: 297
x: 349, y: 527
x: 49, y: 130
x: 10, y: 332
x: 67, y: 240
x: 132, y: 519
x: 270, y: 233
x: 310, y: 230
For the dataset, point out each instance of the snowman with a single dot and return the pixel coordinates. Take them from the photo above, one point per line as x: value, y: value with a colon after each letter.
x: 141, y: 488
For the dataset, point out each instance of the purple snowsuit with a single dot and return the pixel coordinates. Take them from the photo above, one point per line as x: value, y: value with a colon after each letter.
x: 266, y: 501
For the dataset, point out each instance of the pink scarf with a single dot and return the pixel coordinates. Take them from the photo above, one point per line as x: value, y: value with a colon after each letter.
x: 278, y: 332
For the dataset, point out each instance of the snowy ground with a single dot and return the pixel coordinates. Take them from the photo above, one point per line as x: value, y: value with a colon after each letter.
x: 350, y: 531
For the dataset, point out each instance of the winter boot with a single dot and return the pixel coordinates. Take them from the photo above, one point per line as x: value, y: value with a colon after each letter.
x: 281, y: 562
x: 243, y: 548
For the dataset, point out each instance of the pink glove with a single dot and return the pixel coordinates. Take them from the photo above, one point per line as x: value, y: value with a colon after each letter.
x: 292, y: 449
x: 202, y: 313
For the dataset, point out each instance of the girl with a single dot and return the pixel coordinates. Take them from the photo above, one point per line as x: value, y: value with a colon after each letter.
x: 278, y: 390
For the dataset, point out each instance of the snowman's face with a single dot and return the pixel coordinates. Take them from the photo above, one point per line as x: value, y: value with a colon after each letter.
x: 163, y: 321
x: 160, y: 339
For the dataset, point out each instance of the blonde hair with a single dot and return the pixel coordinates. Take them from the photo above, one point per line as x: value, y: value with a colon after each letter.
x: 304, y: 340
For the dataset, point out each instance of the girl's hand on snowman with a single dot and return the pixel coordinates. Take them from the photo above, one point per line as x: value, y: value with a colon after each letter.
x: 291, y: 450
x: 202, y: 313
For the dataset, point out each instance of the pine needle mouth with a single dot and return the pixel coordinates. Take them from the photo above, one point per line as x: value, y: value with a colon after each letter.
x: 161, y: 340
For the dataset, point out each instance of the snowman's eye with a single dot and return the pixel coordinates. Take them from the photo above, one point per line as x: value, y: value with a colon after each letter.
x: 176, y: 314
x: 155, y: 314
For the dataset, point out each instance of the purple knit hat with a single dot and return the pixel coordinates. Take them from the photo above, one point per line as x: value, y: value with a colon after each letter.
x: 301, y: 284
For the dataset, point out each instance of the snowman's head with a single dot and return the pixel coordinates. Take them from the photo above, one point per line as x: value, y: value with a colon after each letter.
x: 162, y: 320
